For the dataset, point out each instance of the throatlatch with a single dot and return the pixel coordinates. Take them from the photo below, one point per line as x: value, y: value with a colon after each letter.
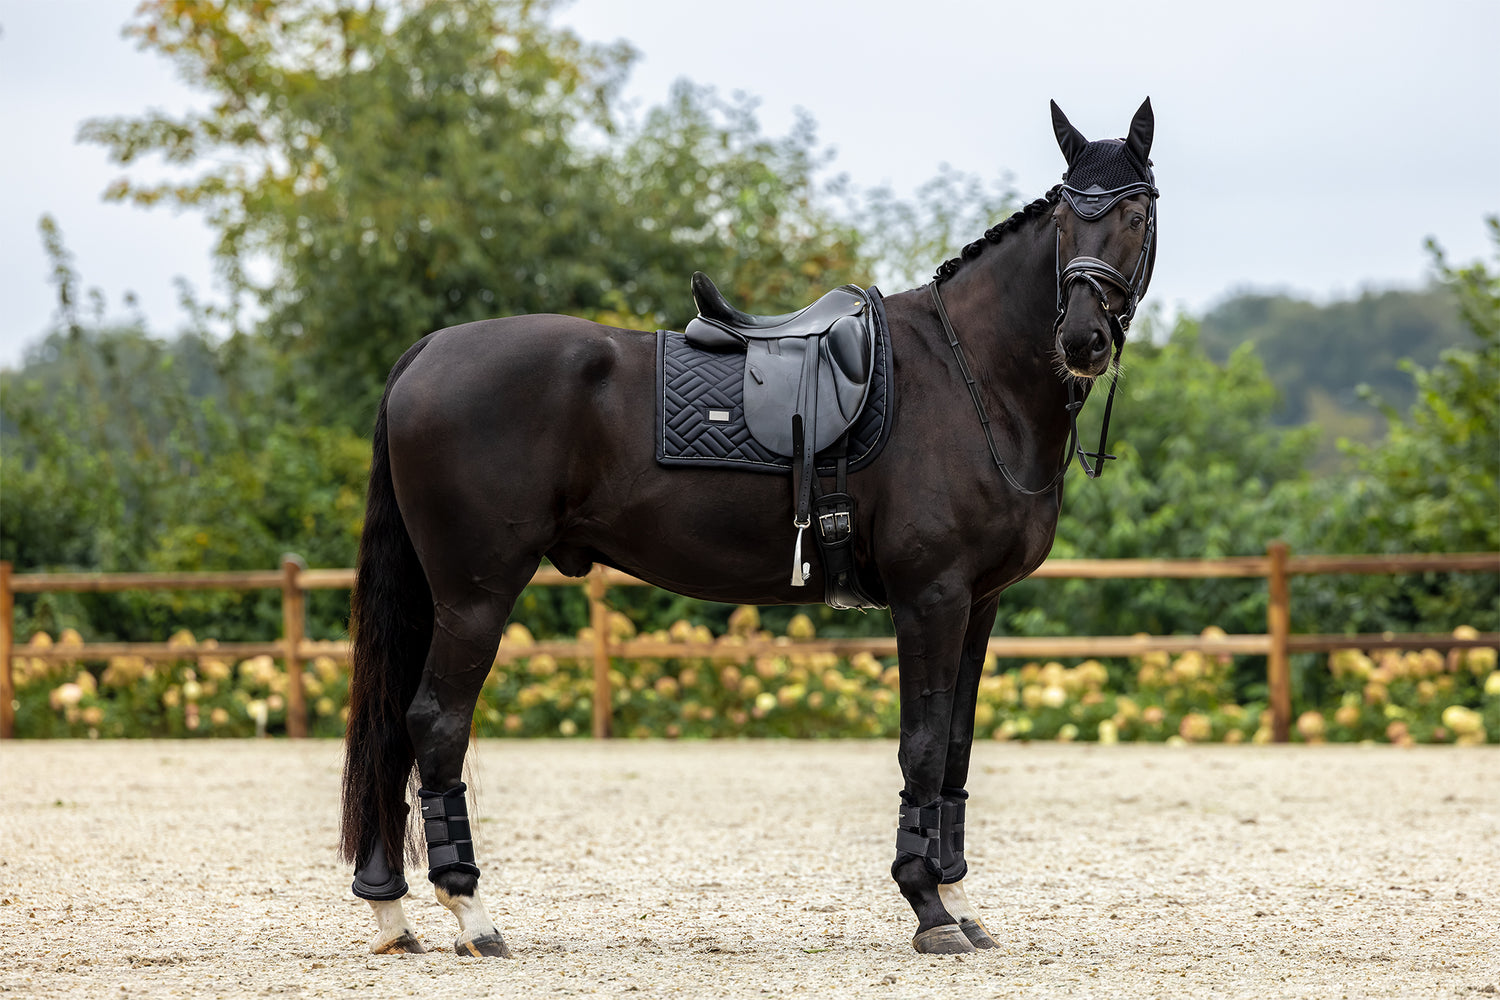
x: 445, y: 823
x: 375, y: 880
x: 935, y: 833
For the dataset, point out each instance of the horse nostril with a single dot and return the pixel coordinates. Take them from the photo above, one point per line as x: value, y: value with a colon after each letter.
x: 1100, y: 343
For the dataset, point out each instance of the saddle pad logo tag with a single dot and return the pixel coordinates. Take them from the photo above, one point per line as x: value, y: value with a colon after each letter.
x: 718, y: 416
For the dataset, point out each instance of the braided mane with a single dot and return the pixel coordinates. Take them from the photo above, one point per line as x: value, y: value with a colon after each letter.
x: 993, y: 234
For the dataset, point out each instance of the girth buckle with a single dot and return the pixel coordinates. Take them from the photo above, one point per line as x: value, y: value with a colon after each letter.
x: 834, y: 525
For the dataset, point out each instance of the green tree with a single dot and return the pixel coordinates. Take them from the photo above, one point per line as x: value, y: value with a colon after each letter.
x: 125, y: 452
x: 1201, y: 472
x: 1433, y: 484
x: 908, y: 240
x: 407, y: 167
x: 1326, y: 358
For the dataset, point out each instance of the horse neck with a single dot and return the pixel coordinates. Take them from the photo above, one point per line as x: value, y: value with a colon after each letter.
x: 1002, y: 305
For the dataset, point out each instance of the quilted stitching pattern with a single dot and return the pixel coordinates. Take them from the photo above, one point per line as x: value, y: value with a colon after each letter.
x: 691, y: 382
x: 695, y: 382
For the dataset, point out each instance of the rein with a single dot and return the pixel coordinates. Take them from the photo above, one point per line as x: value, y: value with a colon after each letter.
x: 1073, y: 406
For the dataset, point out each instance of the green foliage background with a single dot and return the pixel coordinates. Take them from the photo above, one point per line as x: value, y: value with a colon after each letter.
x: 404, y: 167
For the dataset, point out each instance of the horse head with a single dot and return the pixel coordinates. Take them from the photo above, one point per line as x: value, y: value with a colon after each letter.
x: 1106, y: 246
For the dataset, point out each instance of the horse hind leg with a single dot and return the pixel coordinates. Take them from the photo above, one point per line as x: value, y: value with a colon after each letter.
x: 394, y: 934
x: 466, y: 633
x: 383, y: 889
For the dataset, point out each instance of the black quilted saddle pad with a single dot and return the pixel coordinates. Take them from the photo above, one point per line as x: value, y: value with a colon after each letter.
x: 700, y: 413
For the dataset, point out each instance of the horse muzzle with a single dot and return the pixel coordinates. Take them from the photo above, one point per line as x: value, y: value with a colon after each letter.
x: 1085, y: 340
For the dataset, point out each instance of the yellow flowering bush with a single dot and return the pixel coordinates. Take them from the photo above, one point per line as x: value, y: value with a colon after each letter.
x: 1417, y: 696
x: 1386, y: 696
x: 129, y: 696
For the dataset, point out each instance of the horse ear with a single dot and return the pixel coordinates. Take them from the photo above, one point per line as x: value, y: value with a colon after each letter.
x: 1069, y: 139
x: 1142, y: 128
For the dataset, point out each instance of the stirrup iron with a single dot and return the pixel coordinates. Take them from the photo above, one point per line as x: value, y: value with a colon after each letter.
x: 800, y: 569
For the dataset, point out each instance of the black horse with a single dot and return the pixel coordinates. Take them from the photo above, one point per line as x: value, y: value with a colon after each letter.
x: 502, y: 442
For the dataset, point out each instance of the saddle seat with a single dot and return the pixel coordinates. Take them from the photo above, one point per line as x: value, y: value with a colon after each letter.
x: 814, y: 364
x: 805, y: 322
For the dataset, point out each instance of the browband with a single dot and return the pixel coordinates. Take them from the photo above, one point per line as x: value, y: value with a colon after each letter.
x: 1094, y: 201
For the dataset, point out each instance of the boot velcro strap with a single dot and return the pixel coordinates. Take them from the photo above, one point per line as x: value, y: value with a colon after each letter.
x: 445, y: 824
x: 919, y: 830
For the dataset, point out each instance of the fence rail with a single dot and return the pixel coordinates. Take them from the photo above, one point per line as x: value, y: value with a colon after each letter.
x: 294, y: 580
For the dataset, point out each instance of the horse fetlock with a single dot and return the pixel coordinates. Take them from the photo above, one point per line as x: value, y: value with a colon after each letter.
x: 919, y: 886
x: 477, y: 934
x: 956, y: 902
x: 394, y: 936
x: 918, y: 872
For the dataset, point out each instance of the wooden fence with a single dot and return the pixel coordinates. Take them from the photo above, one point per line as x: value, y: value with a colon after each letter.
x: 1277, y: 643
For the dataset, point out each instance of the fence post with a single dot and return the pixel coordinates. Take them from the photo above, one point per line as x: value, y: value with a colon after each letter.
x: 599, y: 621
x: 293, y: 628
x: 1278, y: 629
x: 7, y: 644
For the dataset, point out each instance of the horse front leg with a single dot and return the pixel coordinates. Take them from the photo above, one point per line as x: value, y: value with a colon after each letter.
x: 930, y: 628
x: 956, y: 776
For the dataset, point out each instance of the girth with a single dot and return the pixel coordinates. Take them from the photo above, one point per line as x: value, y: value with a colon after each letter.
x: 807, y: 377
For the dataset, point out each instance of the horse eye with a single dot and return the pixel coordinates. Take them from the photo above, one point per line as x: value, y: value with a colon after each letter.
x: 1137, y: 221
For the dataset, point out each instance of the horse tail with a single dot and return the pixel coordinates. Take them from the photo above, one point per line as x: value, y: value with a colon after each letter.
x: 391, y: 627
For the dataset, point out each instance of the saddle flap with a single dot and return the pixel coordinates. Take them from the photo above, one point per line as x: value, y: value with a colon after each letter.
x: 773, y: 380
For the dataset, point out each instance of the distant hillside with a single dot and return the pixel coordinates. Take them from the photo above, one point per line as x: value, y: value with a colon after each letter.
x: 1319, y: 355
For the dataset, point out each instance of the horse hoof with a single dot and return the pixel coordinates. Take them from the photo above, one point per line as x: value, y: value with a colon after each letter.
x: 406, y: 944
x: 944, y: 939
x: 977, y: 935
x: 483, y: 946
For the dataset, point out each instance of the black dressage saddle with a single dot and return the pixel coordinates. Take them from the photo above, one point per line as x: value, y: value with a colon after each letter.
x: 814, y: 364
x: 807, y: 378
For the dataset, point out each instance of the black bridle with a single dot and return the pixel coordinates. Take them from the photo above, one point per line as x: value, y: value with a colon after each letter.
x: 1086, y: 204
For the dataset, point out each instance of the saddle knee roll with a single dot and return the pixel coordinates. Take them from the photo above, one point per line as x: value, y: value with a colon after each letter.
x: 445, y: 825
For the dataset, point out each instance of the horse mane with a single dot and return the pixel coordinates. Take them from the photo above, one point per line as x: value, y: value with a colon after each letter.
x: 993, y: 234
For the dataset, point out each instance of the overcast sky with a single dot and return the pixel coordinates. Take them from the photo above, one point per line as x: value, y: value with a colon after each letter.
x: 1300, y: 146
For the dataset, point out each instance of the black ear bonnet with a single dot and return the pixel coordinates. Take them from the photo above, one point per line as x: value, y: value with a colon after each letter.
x: 1102, y: 172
